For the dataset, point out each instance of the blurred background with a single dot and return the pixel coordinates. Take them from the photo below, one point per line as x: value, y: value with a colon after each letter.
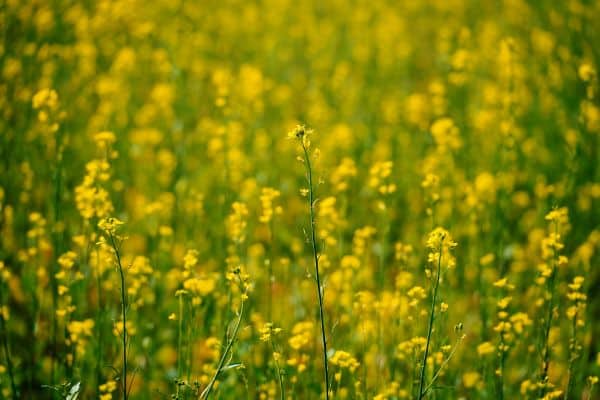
x: 478, y: 116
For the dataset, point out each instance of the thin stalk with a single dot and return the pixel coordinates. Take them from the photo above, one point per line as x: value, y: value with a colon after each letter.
x: 191, y: 334
x: 385, y: 228
x: 364, y: 351
x: 316, y: 262
x: 572, y: 357
x: 279, y: 376
x: 481, y: 288
x: 591, y: 388
x: 430, y: 326
x: 206, y: 392
x: 269, y: 261
x: 179, y: 335
x: 500, y: 382
x: 439, y: 371
x: 100, y: 324
x: 123, y: 314
x: 9, y: 363
x: 546, y: 349
x: 57, y: 242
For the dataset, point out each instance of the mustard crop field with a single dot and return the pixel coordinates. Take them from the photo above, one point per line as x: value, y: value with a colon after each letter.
x: 312, y: 199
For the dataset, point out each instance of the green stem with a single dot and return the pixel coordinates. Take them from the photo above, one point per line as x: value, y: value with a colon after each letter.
x: 9, y: 364
x: 279, y: 376
x: 546, y: 350
x: 572, y: 357
x: 57, y: 241
x: 123, y: 314
x: 316, y: 262
x: 446, y: 361
x: 179, y: 335
x: 502, y: 365
x: 270, y: 254
x: 100, y: 324
x: 206, y: 392
x: 430, y: 326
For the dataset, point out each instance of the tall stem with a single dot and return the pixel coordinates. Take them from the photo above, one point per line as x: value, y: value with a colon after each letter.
x: 316, y: 261
x: 206, y: 392
x: 279, y: 376
x: 99, y: 326
x: 56, y: 245
x: 179, y: 335
x: 572, y: 357
x: 500, y: 382
x: 9, y: 363
x: 430, y: 326
x: 546, y: 349
x: 123, y: 314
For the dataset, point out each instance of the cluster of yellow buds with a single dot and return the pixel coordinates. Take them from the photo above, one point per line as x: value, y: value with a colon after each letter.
x: 194, y: 284
x: 302, y: 133
x: 343, y: 359
x: 46, y: 103
x: 408, y: 349
x: 330, y: 220
x: 110, y: 225
x: 267, y: 331
x: 446, y: 134
x: 439, y: 242
x: 302, y: 335
x: 361, y: 239
x: 79, y: 332
x: 65, y: 276
x: 267, y: 197
x: 106, y: 390
x: 342, y: 174
x: 236, y: 222
x: 379, y: 175
x: 577, y: 298
x: 91, y: 196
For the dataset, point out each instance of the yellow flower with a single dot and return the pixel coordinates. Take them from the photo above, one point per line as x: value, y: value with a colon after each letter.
x: 108, y: 387
x: 485, y: 348
x: 200, y: 286
x: 302, y: 133
x: 343, y: 359
x: 104, y: 138
x: 267, y: 331
x: 471, y: 379
x: 190, y: 259
x: 586, y: 72
x: 236, y: 222
x: 110, y: 225
x: 446, y: 134
x: 268, y: 195
x: 45, y: 98
x: 440, y: 237
x: 558, y: 215
x: 67, y: 259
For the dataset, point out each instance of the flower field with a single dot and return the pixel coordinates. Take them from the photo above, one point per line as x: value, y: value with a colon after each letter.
x: 299, y: 200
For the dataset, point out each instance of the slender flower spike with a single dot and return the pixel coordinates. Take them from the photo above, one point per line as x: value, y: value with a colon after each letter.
x: 301, y: 133
x: 104, y: 139
x: 110, y: 225
x: 440, y: 237
x: 439, y: 243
